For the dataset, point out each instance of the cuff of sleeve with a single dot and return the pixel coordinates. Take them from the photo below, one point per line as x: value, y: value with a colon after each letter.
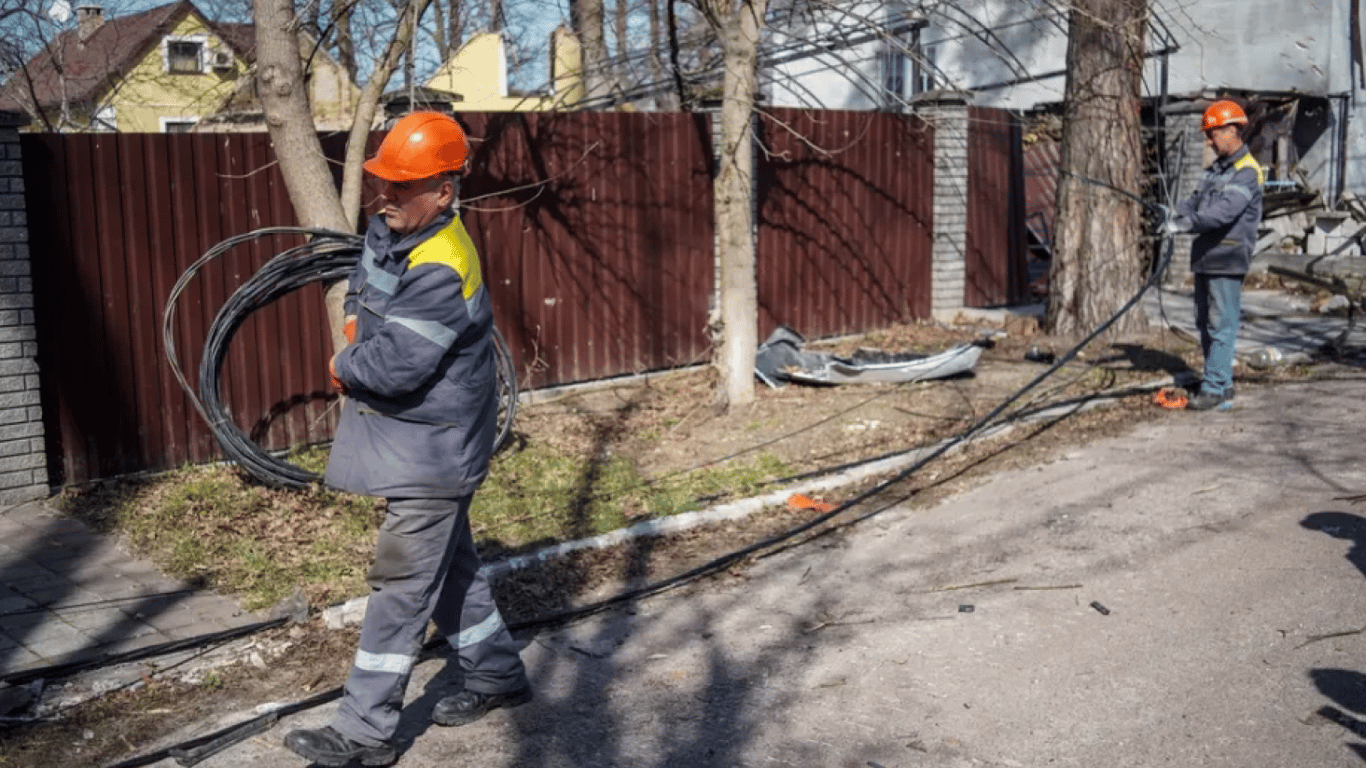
x: 337, y: 366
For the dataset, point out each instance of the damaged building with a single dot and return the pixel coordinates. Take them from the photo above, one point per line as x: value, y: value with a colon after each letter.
x: 1298, y: 68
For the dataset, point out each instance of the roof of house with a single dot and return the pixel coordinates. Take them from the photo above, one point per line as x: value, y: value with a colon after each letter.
x: 240, y: 37
x: 74, y: 70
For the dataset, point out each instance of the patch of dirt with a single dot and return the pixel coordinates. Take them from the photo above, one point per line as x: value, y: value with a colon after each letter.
x: 667, y: 424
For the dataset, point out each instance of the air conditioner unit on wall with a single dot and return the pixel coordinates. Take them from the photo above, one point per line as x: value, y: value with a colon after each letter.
x: 220, y: 59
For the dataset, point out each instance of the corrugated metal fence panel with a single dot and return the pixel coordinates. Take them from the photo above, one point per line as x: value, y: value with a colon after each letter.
x: 595, y: 232
x: 596, y: 235
x: 1041, y: 162
x: 996, y: 271
x: 114, y: 228
x: 845, y: 215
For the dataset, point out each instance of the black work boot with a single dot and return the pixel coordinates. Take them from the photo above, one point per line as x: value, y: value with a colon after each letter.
x: 467, y: 706
x: 326, y: 746
x: 1206, y: 401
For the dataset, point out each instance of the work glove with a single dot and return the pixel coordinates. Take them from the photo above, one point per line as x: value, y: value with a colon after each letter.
x: 332, y: 370
x: 349, y: 329
x: 1177, y: 224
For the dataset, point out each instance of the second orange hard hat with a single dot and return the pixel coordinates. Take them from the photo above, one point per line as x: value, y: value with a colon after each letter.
x: 420, y: 146
x: 1223, y: 112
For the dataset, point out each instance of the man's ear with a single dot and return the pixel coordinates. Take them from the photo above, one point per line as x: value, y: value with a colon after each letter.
x: 445, y: 194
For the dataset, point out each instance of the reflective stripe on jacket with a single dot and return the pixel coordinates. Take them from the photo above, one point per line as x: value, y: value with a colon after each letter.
x: 1225, y: 212
x: 421, y: 405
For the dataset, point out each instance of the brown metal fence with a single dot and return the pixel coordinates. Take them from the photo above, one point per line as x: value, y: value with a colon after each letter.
x: 997, y: 273
x: 114, y: 220
x: 595, y: 232
x: 845, y: 215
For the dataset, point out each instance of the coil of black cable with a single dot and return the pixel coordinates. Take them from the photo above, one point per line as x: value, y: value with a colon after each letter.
x: 326, y: 257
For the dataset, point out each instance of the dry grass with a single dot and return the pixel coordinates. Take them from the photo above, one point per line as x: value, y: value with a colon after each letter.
x: 596, y: 461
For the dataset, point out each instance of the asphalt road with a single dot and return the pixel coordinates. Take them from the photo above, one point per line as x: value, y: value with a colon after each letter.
x: 1229, y: 570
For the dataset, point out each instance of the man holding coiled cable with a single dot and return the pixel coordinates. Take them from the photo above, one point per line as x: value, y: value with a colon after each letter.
x: 417, y: 427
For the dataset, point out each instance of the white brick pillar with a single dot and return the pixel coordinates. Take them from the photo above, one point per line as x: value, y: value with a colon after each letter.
x: 23, y: 459
x: 947, y: 112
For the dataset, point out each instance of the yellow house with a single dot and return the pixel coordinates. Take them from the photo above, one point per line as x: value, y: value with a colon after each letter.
x: 477, y: 75
x: 166, y: 69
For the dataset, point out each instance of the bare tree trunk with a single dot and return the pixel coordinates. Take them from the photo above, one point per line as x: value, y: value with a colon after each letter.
x: 284, y: 99
x: 345, y: 43
x: 586, y: 18
x: 621, y: 30
x: 455, y: 26
x: 448, y: 28
x: 657, y: 44
x: 368, y: 104
x: 444, y: 47
x: 675, y: 68
x: 737, y: 26
x: 1097, y: 259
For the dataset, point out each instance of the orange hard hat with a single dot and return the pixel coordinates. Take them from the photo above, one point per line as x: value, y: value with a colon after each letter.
x: 1222, y: 113
x: 420, y: 146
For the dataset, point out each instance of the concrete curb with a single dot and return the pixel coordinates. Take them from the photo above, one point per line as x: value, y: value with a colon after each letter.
x: 351, y: 611
x: 745, y: 507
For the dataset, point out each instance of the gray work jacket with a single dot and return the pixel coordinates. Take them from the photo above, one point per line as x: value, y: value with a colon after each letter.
x: 1225, y: 212
x: 421, y: 404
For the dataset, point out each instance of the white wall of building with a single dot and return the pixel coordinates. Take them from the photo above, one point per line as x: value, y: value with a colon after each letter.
x: 1011, y: 54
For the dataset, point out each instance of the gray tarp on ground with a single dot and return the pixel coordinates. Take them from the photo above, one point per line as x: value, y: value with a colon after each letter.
x: 780, y: 358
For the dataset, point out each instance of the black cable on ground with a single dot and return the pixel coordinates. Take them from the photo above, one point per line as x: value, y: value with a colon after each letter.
x: 160, y: 649
x: 725, y: 560
x: 228, y: 736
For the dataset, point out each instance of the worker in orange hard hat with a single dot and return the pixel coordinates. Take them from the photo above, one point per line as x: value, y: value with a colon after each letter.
x: 1223, y: 212
x: 417, y: 426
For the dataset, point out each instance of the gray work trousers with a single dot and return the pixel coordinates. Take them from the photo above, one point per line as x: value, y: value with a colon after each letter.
x: 426, y: 568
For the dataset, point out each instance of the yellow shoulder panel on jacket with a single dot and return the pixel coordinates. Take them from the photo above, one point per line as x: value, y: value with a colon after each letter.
x: 1248, y: 161
x: 452, y: 247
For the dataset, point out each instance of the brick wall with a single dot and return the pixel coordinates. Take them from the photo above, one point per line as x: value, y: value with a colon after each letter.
x: 23, y: 461
x: 947, y: 111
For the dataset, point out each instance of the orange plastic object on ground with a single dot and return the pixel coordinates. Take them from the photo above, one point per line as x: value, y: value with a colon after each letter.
x: 798, y: 501
x: 1170, y: 397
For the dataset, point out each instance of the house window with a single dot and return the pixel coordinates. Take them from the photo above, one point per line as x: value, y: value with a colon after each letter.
x: 178, y: 124
x: 923, y: 66
x: 184, y: 55
x: 894, y: 73
x: 902, y: 58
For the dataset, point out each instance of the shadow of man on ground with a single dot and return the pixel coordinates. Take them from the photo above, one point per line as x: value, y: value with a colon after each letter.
x: 1146, y: 359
